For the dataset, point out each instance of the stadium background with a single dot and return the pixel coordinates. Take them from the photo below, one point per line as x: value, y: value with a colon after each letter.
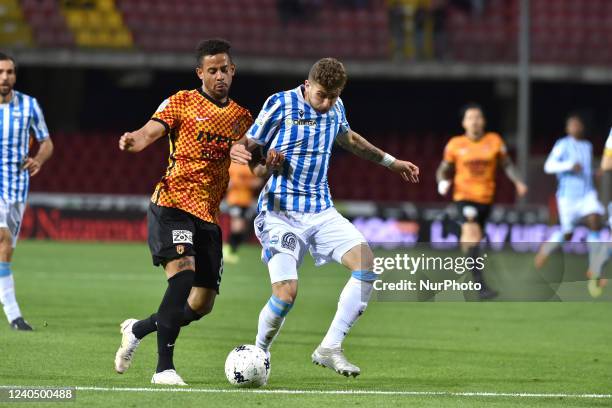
x: 101, y: 67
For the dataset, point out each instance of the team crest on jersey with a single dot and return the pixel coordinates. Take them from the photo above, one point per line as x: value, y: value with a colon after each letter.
x: 182, y: 237
x: 180, y: 249
x: 289, y: 241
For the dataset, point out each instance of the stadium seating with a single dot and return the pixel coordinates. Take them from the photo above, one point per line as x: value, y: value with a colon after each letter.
x: 563, y: 31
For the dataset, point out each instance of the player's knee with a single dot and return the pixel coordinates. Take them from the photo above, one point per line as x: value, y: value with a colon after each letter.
x: 359, y: 258
x: 285, y: 291
x: 471, y: 234
x: 185, y: 263
x: 6, y: 241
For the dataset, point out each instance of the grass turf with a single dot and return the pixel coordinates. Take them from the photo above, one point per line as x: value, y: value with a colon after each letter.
x: 76, y: 294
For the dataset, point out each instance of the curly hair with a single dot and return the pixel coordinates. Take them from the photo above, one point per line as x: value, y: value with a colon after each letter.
x: 329, y: 73
x: 212, y: 47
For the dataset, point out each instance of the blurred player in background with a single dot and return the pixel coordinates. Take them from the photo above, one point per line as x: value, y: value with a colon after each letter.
x: 571, y: 160
x: 594, y: 273
x: 20, y: 119
x: 240, y: 200
x: 473, y: 158
x: 184, y: 236
x: 295, y: 130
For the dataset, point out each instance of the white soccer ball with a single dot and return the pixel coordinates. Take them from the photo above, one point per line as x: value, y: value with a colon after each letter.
x: 247, y: 366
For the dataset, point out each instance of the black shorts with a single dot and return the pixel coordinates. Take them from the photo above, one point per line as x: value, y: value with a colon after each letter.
x: 242, y: 212
x: 482, y: 212
x: 174, y: 233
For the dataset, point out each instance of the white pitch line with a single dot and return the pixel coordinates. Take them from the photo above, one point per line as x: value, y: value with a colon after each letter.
x: 327, y: 392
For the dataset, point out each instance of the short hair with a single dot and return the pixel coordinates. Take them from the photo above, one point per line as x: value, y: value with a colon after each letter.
x: 576, y: 115
x: 329, y: 73
x: 212, y: 47
x: 6, y: 57
x: 471, y: 105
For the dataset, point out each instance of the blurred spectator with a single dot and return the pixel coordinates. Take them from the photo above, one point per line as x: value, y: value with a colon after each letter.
x: 297, y: 10
x: 397, y: 27
x: 430, y: 29
x: 352, y: 4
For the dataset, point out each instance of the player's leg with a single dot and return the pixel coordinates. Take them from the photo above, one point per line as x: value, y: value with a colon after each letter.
x: 238, y: 229
x: 567, y: 218
x: 598, y: 251
x: 282, y: 251
x: 473, y: 218
x: 170, y: 240
x: 10, y: 221
x: 337, y: 239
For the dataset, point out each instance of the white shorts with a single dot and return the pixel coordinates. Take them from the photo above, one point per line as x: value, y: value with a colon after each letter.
x: 11, y: 215
x: 572, y: 210
x: 327, y: 235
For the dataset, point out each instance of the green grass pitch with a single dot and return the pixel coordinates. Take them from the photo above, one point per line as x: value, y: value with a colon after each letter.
x: 76, y: 294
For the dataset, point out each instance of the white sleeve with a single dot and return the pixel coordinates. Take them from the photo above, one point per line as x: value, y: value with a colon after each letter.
x: 38, y: 126
x: 557, y: 161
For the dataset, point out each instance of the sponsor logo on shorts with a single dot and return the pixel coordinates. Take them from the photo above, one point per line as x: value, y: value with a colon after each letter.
x: 180, y: 249
x: 182, y: 237
x: 289, y: 241
x: 274, y: 240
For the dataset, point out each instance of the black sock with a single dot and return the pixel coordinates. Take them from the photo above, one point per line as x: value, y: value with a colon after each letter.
x: 235, y: 239
x: 170, y: 317
x: 147, y: 326
x: 473, y: 253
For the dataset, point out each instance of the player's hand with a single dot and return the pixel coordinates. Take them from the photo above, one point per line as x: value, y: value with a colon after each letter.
x: 126, y: 142
x: 443, y: 187
x: 31, y: 165
x: 239, y: 154
x: 408, y: 171
x: 521, y: 188
x: 577, y: 168
x: 274, y: 159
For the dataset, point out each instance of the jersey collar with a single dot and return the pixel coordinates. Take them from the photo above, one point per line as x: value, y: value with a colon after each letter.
x: 215, y: 102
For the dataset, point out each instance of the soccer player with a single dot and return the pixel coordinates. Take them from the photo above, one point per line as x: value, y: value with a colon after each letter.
x: 20, y: 118
x: 240, y: 200
x: 473, y: 158
x: 596, y: 281
x: 184, y: 237
x: 295, y: 131
x: 571, y: 161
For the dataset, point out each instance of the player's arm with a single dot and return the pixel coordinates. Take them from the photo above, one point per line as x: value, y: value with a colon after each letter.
x: 136, y: 141
x: 360, y: 147
x: 513, y: 175
x: 247, y: 152
x: 444, y: 176
x: 45, y: 150
x: 556, y: 162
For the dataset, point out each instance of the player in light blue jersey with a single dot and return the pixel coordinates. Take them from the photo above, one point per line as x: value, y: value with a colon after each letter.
x: 596, y: 281
x: 571, y: 160
x: 20, y: 118
x: 291, y: 143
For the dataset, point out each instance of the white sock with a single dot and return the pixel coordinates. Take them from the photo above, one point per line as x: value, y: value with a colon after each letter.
x: 598, y: 253
x: 271, y: 319
x: 553, y: 242
x: 353, y: 302
x: 7, y: 292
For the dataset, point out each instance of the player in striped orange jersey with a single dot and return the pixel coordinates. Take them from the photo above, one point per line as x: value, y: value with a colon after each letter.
x: 184, y: 237
x: 473, y: 158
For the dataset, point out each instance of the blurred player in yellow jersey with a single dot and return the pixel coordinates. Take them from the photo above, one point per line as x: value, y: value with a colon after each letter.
x: 470, y: 163
x: 240, y: 200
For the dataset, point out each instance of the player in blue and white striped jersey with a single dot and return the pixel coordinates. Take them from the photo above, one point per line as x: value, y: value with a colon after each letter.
x: 571, y: 160
x: 291, y: 142
x: 20, y: 118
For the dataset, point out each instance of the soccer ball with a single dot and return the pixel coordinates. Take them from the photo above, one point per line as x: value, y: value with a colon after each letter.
x: 247, y: 366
